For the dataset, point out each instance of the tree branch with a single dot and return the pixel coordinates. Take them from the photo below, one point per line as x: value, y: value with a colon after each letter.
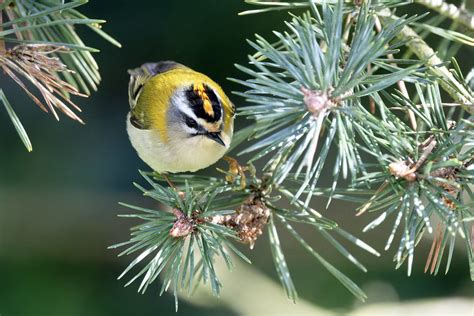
x: 425, y: 52
x: 2, y: 42
x: 460, y: 15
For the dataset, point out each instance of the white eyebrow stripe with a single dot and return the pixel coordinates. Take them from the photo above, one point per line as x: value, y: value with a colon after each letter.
x: 182, y: 104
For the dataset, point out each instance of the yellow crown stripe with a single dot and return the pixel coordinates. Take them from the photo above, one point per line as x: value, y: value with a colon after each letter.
x: 206, y: 103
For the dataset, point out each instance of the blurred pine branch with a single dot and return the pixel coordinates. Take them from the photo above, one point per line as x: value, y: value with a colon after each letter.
x: 41, y: 51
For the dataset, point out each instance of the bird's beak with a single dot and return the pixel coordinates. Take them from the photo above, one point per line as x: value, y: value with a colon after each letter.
x: 216, y: 136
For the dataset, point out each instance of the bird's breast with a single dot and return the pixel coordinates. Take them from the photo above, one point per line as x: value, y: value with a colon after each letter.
x: 175, y: 155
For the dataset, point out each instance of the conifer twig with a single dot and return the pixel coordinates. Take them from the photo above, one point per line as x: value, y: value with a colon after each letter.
x: 425, y: 52
x: 457, y: 14
x: 39, y: 44
x: 401, y: 84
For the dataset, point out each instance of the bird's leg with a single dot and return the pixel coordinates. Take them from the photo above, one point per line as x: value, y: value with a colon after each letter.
x: 236, y: 169
x: 170, y: 183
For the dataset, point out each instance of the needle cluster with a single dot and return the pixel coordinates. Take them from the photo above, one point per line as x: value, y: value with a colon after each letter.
x: 41, y: 51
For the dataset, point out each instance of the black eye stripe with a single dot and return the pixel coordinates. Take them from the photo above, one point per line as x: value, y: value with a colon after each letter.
x: 196, y: 104
x: 190, y: 122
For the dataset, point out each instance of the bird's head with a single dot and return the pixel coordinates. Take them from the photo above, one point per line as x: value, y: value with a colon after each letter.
x: 197, y: 110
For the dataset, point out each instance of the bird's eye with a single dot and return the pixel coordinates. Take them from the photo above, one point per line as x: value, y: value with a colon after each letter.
x: 191, y: 123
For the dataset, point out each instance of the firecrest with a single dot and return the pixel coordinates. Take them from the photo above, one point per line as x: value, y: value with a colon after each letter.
x: 179, y: 120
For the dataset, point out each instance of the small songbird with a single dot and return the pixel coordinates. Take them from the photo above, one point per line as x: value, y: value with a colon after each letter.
x: 180, y: 120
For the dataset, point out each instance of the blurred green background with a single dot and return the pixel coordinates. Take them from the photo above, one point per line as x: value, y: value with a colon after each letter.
x: 58, y: 204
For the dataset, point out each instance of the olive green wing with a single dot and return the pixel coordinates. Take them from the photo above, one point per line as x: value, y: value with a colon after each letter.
x: 138, y: 78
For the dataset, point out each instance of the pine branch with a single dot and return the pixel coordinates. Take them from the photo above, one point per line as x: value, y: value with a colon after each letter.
x: 16, y: 122
x: 39, y: 45
x: 203, y: 206
x: 185, y: 242
x: 328, y: 83
x: 415, y: 42
x: 422, y: 177
x: 460, y: 15
x: 37, y: 64
x: 446, y: 164
x: 300, y: 89
x: 278, y: 5
x: 449, y: 83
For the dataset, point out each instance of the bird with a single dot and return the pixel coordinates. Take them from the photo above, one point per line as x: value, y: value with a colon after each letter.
x: 180, y: 120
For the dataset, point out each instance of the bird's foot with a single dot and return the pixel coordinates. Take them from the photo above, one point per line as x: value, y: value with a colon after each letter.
x: 235, y: 169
